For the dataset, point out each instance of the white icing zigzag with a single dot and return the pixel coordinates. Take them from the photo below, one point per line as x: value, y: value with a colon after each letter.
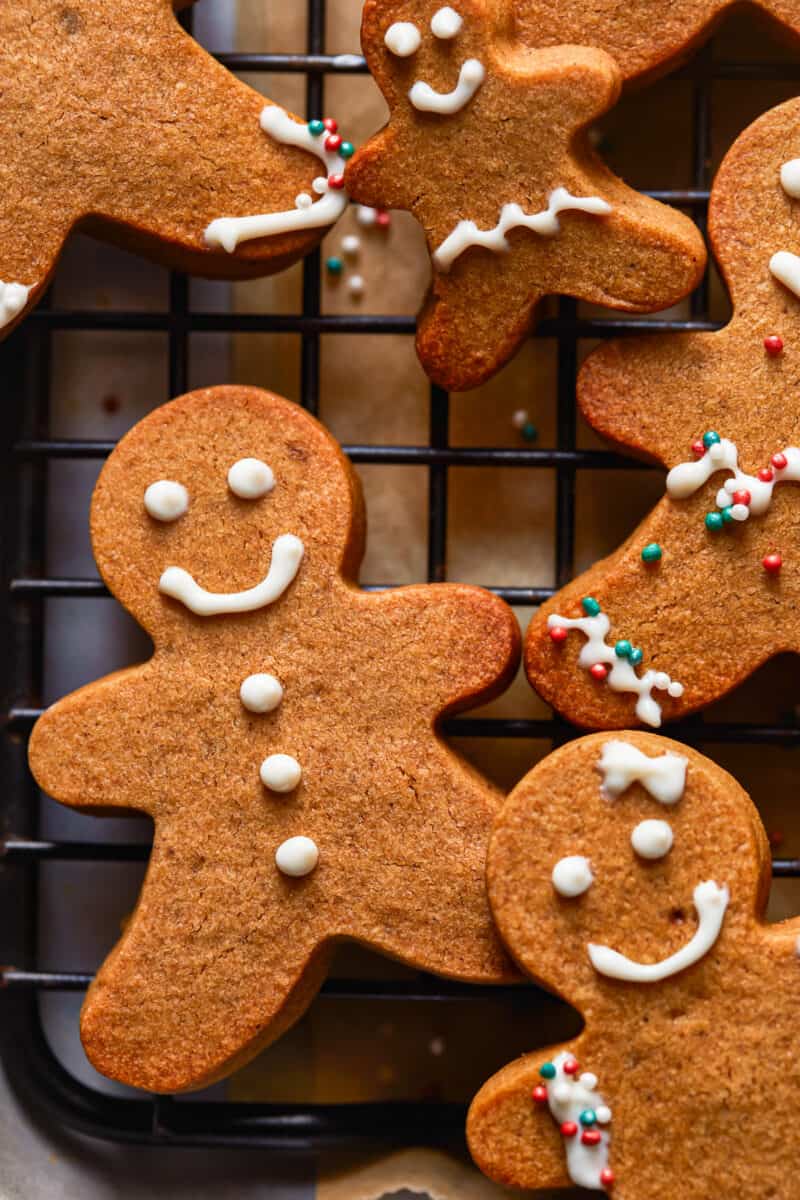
x: 687, y: 477
x: 580, y: 1110
x: 228, y: 232
x: 13, y: 298
x: 622, y: 764
x: 513, y: 216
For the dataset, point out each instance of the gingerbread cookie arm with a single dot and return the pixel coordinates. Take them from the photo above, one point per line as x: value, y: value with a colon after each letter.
x: 90, y: 750
x: 512, y: 1138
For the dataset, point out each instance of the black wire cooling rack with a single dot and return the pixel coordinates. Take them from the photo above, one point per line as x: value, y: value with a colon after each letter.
x: 27, y: 448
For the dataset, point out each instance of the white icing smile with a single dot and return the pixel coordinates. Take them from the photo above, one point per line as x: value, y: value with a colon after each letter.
x: 711, y: 902
x: 427, y: 99
x: 287, y: 554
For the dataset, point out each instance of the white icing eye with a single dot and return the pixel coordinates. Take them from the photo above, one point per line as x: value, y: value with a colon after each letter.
x: 297, y: 856
x: 402, y: 39
x: 652, y: 839
x: 790, y: 178
x: 446, y: 23
x: 250, y: 479
x: 166, y: 500
x: 261, y: 693
x: 572, y: 876
x: 280, y: 773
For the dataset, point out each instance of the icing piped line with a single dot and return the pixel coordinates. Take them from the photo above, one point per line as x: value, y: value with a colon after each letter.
x: 513, y: 216
x: 622, y: 677
x: 685, y: 478
x: 13, y: 298
x: 427, y: 99
x: 622, y: 764
x: 287, y: 554
x: 711, y: 902
x: 785, y: 266
x: 569, y: 1099
x: 228, y: 232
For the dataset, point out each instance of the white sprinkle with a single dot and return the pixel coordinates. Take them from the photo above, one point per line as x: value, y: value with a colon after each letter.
x: 366, y: 215
x: 519, y: 418
x: 355, y: 285
x: 351, y: 245
x: 303, y: 200
x: 320, y: 185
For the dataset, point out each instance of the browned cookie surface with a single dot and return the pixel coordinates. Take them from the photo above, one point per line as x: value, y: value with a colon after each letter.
x: 226, y: 946
x: 480, y: 122
x: 696, y: 1076
x: 115, y: 121
x: 717, y: 603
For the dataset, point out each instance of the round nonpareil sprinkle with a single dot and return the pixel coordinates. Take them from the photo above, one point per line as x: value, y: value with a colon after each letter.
x: 711, y: 439
x: 558, y: 634
x: 599, y: 671
x: 772, y: 563
x: 652, y: 553
x: 773, y: 344
x: 590, y: 606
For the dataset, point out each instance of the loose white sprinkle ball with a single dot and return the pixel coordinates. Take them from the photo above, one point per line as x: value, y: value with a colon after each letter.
x: 250, y: 479
x: 297, y: 856
x: 166, y: 500
x: 351, y: 245
x: 365, y: 215
x: 355, y: 285
x: 280, y: 773
x: 261, y: 693
x: 403, y: 39
x: 519, y: 418
x: 446, y: 23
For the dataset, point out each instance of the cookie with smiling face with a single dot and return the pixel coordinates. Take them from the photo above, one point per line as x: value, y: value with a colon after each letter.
x: 115, y: 122
x: 707, y: 588
x: 629, y: 875
x: 486, y: 145
x: 282, y: 738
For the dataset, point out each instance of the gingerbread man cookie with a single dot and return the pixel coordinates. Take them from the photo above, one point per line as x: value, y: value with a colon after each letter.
x: 282, y: 738
x: 486, y: 146
x: 116, y: 122
x: 630, y: 875
x: 646, y: 37
x: 707, y: 588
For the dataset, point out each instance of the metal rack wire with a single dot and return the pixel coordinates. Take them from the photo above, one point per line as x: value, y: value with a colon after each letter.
x: 27, y: 447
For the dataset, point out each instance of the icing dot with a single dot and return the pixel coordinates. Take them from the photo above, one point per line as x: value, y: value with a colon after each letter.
x: 403, y: 38
x: 297, y: 856
x: 572, y: 876
x: 603, y: 1113
x: 351, y: 245
x: 652, y: 839
x: 250, y: 479
x: 280, y: 773
x: 261, y: 693
x: 790, y: 178
x: 166, y: 500
x: 303, y: 200
x: 446, y: 23
x: 320, y: 185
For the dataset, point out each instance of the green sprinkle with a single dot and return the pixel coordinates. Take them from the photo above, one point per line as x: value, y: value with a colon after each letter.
x: 710, y: 439
x: 714, y: 522
x: 623, y: 648
x: 334, y: 266
x: 590, y: 606
x: 547, y: 1071
x: 588, y: 1117
x: 726, y: 514
x: 315, y: 128
x: 529, y: 431
x: 347, y: 150
x: 652, y: 553
x: 635, y: 656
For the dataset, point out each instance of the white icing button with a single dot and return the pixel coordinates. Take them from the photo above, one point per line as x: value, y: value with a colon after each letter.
x: 261, y: 693
x: 446, y: 23
x: 403, y: 38
x: 355, y: 285
x: 250, y: 479
x: 280, y: 773
x: 652, y: 839
x: 351, y: 245
x: 790, y: 178
x: 166, y: 500
x: 572, y: 876
x: 297, y: 857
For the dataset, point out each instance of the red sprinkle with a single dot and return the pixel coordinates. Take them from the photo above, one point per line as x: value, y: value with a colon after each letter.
x: 336, y: 181
x: 333, y: 141
x: 569, y: 1129
x: 773, y: 344
x: 540, y: 1094
x: 766, y: 474
x: 742, y: 497
x: 607, y: 1177
x: 558, y: 634
x: 330, y: 124
x: 383, y: 220
x: 772, y: 563
x: 573, y: 1066
x: 599, y: 672
x: 698, y: 449
x: 591, y: 1137
x: 778, y: 461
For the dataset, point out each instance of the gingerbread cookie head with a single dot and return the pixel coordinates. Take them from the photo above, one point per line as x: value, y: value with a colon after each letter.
x: 116, y: 122
x: 629, y: 874
x: 707, y: 588
x: 646, y: 38
x: 282, y: 738
x: 486, y: 146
